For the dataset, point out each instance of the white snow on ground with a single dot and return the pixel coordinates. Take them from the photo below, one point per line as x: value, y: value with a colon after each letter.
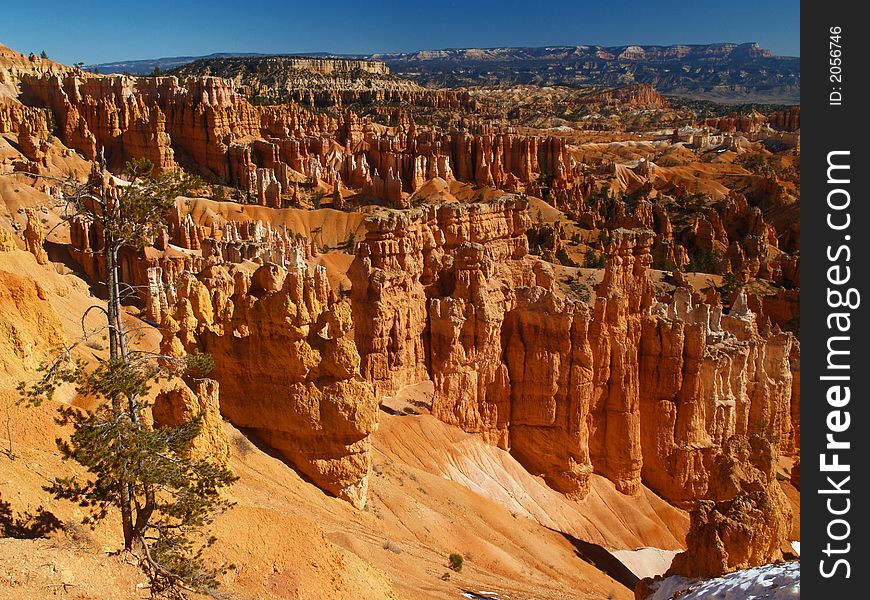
x: 797, y: 547
x: 770, y: 582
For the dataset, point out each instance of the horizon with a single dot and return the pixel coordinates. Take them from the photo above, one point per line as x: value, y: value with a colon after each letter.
x: 446, y: 48
x: 200, y: 29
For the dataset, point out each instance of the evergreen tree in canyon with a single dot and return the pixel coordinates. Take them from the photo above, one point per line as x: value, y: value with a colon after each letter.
x: 164, y: 497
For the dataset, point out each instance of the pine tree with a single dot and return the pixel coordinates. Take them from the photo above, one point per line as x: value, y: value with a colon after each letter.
x: 165, y: 496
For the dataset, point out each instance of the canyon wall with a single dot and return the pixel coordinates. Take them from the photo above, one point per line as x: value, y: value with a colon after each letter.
x: 205, y: 125
x: 285, y: 364
x: 626, y: 386
x: 14, y: 116
x: 314, y: 94
x: 328, y: 66
x: 322, y: 82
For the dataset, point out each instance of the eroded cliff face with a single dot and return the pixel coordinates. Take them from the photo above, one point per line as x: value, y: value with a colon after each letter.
x: 573, y: 376
x: 29, y: 327
x: 15, y: 117
x: 195, y: 399
x: 130, y: 117
x: 286, y: 366
x: 205, y: 125
x: 429, y: 261
x: 745, y: 518
x: 320, y: 81
x: 705, y: 378
x: 640, y: 94
x: 629, y: 387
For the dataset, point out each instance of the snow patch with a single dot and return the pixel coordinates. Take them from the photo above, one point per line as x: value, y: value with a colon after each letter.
x: 769, y: 582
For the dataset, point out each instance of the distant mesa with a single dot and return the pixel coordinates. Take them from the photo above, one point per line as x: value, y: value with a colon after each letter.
x: 724, y: 72
x: 314, y: 64
x: 299, y: 78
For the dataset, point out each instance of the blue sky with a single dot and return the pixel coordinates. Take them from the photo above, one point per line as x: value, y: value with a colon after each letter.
x: 103, y: 32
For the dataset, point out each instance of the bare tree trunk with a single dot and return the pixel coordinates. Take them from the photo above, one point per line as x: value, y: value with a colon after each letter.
x: 116, y: 335
x: 109, y: 255
x: 10, y: 451
x: 123, y: 350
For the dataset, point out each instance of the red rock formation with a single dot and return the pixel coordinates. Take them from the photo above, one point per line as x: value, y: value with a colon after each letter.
x: 14, y: 115
x: 401, y: 259
x: 286, y: 367
x: 748, y: 518
x: 34, y: 237
x: 787, y: 120
x: 734, y: 534
x: 149, y: 271
x: 14, y: 65
x: 32, y: 328
x: 624, y: 296
x: 732, y: 236
x: 181, y: 404
x: 639, y: 94
x: 441, y: 99
x: 325, y: 66
x: 625, y: 388
x: 389, y: 299
x: 7, y: 241
x: 706, y: 377
x: 792, y: 445
x: 745, y: 123
x: 94, y: 113
x: 782, y: 308
x: 215, y: 131
x: 152, y: 271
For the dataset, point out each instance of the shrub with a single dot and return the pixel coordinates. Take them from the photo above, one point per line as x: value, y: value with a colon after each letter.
x: 455, y: 562
x: 593, y: 260
x: 730, y: 283
x: 564, y: 259
x: 392, y: 547
x: 664, y: 265
x: 703, y: 262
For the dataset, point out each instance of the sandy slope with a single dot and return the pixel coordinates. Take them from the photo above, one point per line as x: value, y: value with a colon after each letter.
x: 646, y: 562
x: 327, y: 227
x: 413, y: 521
x: 336, y: 265
x: 40, y: 569
x: 604, y: 517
